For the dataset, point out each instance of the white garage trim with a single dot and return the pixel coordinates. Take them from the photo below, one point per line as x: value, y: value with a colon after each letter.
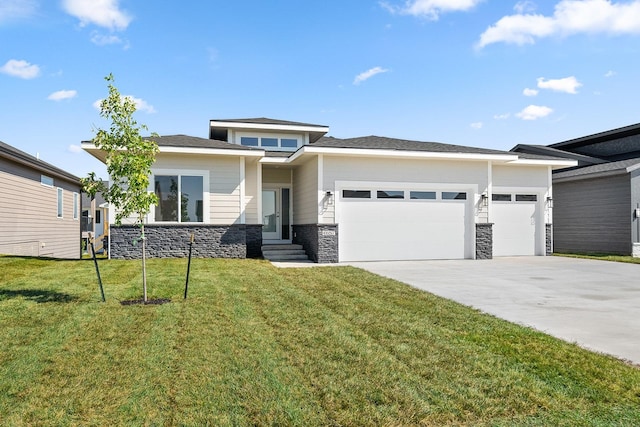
x: 402, y: 228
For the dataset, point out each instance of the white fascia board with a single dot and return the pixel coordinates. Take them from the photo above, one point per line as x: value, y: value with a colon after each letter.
x: 274, y: 160
x: 272, y: 127
x: 633, y: 167
x: 555, y: 164
x: 367, y: 152
x: 212, y: 151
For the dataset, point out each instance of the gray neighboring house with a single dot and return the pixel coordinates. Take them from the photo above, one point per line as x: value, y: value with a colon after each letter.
x: 596, y: 205
x: 39, y: 208
x: 95, y: 222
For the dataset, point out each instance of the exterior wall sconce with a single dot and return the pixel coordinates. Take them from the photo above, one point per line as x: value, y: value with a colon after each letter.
x: 550, y: 202
x: 329, y: 194
x: 329, y: 197
x: 484, y: 200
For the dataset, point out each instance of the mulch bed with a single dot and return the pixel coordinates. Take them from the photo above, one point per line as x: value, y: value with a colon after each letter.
x: 157, y: 301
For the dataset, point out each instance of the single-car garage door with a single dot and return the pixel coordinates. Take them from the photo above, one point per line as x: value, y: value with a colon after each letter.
x: 514, y: 224
x: 401, y: 224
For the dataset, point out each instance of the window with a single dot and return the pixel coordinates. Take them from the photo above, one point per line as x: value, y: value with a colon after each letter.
x: 249, y: 141
x: 422, y: 195
x: 270, y: 142
x: 288, y: 143
x: 356, y: 194
x: 46, y: 180
x: 526, y: 198
x: 76, y: 205
x: 98, y: 216
x: 450, y: 195
x: 180, y: 198
x: 60, y: 196
x: 501, y: 197
x: 390, y: 194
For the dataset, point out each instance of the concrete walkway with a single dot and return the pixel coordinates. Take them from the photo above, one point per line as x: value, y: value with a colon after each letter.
x: 595, y: 304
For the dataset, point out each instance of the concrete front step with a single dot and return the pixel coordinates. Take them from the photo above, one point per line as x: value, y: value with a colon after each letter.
x: 284, y: 252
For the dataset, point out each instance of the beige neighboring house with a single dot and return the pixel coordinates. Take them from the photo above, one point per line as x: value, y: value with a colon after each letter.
x: 39, y: 208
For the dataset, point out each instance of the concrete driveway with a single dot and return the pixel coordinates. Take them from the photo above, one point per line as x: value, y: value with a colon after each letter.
x: 595, y: 304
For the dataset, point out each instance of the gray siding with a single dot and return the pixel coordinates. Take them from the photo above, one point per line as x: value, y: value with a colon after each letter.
x: 635, y: 203
x: 592, y: 215
x: 29, y: 224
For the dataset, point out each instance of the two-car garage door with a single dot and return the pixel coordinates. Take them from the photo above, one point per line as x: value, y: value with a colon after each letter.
x: 403, y: 224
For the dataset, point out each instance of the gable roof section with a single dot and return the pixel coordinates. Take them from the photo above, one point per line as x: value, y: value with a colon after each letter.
x: 13, y: 154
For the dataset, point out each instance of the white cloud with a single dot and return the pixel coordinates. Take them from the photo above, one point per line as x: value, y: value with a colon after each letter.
x: 20, y: 68
x: 141, y: 104
x: 368, y: 74
x: 74, y: 148
x: 534, y: 112
x: 477, y: 125
x: 567, y: 85
x: 62, y: 94
x: 430, y: 9
x: 525, y: 6
x: 103, y: 40
x: 530, y: 92
x: 569, y: 17
x: 610, y: 73
x: 502, y: 116
x: 17, y: 9
x: 103, y: 13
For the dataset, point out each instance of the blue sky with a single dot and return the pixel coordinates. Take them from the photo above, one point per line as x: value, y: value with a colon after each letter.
x: 486, y: 73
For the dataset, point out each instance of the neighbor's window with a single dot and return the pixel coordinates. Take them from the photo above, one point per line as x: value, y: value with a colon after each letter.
x: 356, y: 194
x: 46, y: 180
x: 450, y: 195
x: 180, y: 198
x: 526, y: 198
x: 60, y: 195
x: 390, y: 194
x: 422, y: 195
x: 76, y: 205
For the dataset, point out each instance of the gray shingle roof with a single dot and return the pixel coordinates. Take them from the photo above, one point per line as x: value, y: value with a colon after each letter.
x: 12, y: 153
x: 267, y: 121
x: 195, y: 142
x: 596, y: 169
x: 384, y: 143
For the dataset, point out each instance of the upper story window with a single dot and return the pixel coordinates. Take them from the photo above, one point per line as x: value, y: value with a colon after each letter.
x: 46, y: 180
x: 271, y: 142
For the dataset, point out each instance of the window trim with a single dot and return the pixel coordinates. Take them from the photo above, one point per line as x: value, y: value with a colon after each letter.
x: 206, y: 214
x: 60, y: 202
x: 299, y: 138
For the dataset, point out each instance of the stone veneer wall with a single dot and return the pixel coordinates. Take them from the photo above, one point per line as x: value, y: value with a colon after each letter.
x: 484, y: 241
x: 172, y: 241
x: 320, y: 241
x: 548, y: 233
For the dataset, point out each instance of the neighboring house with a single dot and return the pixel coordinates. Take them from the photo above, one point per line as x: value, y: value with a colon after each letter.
x: 39, y: 209
x: 261, y: 181
x: 596, y: 205
x: 95, y: 225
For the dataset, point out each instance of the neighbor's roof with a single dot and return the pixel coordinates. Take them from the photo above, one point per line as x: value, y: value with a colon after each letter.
x: 603, y: 168
x: 612, y: 134
x: 543, y: 150
x: 18, y: 156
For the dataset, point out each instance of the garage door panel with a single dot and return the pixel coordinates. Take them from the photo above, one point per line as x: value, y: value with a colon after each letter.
x: 401, y: 230
x: 514, y: 229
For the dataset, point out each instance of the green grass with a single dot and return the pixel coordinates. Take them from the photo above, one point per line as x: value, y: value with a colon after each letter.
x: 604, y: 257
x: 256, y: 345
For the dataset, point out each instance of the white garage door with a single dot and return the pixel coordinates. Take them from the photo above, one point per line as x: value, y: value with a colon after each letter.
x: 379, y: 225
x: 514, y: 224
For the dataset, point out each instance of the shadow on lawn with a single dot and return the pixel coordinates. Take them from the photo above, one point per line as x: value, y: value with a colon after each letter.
x: 37, y: 295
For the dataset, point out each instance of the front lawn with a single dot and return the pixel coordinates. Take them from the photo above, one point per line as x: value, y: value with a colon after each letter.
x: 257, y: 345
x: 604, y: 257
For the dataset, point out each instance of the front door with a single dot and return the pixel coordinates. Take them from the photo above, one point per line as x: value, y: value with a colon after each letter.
x: 275, y: 214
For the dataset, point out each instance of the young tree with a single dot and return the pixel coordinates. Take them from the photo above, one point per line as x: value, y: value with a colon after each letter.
x: 129, y: 158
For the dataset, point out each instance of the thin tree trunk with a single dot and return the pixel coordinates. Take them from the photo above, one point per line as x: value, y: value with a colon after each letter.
x: 144, y: 265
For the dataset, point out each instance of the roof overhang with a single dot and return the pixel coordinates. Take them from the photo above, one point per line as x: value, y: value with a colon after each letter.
x: 555, y: 164
x: 91, y: 148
